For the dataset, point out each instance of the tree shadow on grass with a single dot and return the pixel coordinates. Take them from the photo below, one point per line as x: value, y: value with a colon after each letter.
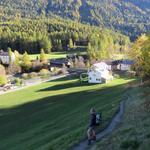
x: 67, y: 85
x: 69, y: 77
x: 74, y: 82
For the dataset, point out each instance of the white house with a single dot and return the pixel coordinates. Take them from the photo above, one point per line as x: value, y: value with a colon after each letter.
x: 99, y: 72
x: 4, y: 57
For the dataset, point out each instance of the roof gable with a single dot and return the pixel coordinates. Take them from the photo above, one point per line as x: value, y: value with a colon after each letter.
x: 2, y: 53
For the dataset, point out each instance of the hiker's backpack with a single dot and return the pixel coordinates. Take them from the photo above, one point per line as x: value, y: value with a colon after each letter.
x: 98, y: 118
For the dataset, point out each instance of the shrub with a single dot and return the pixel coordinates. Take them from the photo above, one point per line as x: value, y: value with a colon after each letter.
x: 63, y: 69
x: 14, y: 69
x: 36, y: 65
x: 131, y: 73
x: 44, y: 73
x: 18, y: 81
x: 32, y: 75
x: 56, y: 70
x: 25, y: 76
x: 3, y: 80
x: 88, y: 64
x: 116, y: 75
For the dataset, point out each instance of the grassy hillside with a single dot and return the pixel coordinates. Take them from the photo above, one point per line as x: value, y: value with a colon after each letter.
x: 54, y: 115
x: 134, y: 132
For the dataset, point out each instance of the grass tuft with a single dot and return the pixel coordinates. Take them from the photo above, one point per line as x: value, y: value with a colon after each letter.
x: 133, y: 144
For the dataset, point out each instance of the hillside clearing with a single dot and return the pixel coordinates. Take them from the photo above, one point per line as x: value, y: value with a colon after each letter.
x: 57, y: 55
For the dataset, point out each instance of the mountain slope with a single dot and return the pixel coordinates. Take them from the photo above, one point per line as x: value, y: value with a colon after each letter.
x: 129, y: 16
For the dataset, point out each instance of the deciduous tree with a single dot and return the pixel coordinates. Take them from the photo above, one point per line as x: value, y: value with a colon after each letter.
x: 26, y: 62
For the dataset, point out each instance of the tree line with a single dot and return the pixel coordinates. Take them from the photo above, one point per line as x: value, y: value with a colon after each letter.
x: 51, y: 35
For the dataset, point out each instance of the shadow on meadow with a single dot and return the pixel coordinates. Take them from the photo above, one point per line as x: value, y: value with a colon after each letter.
x: 75, y: 83
x: 66, y: 85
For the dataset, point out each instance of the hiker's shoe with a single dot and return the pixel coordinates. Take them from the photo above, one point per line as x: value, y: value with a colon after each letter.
x: 89, y: 142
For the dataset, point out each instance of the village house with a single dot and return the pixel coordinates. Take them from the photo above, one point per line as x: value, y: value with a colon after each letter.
x: 5, y: 59
x: 123, y: 65
x: 99, y: 72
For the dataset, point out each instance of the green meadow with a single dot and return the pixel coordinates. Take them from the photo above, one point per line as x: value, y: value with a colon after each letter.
x: 81, y: 50
x: 54, y: 115
x: 53, y: 55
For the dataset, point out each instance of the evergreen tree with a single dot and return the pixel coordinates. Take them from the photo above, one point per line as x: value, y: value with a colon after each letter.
x: 60, y: 48
x: 90, y: 52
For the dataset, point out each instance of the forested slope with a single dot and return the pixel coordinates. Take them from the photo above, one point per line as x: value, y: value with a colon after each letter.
x: 129, y: 16
x: 32, y: 35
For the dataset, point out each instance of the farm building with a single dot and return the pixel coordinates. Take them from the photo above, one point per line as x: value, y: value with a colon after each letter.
x: 123, y: 65
x: 4, y: 57
x: 99, y: 72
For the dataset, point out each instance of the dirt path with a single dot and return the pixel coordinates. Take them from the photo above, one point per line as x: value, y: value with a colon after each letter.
x: 114, y: 122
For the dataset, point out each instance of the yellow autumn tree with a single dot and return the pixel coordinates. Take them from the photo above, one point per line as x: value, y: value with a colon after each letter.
x: 140, y: 53
x: 26, y: 62
x: 43, y: 57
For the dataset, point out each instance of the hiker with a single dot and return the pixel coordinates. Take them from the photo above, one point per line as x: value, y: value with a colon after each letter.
x: 91, y: 129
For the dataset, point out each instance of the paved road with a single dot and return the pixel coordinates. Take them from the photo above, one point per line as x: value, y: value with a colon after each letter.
x: 32, y: 84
